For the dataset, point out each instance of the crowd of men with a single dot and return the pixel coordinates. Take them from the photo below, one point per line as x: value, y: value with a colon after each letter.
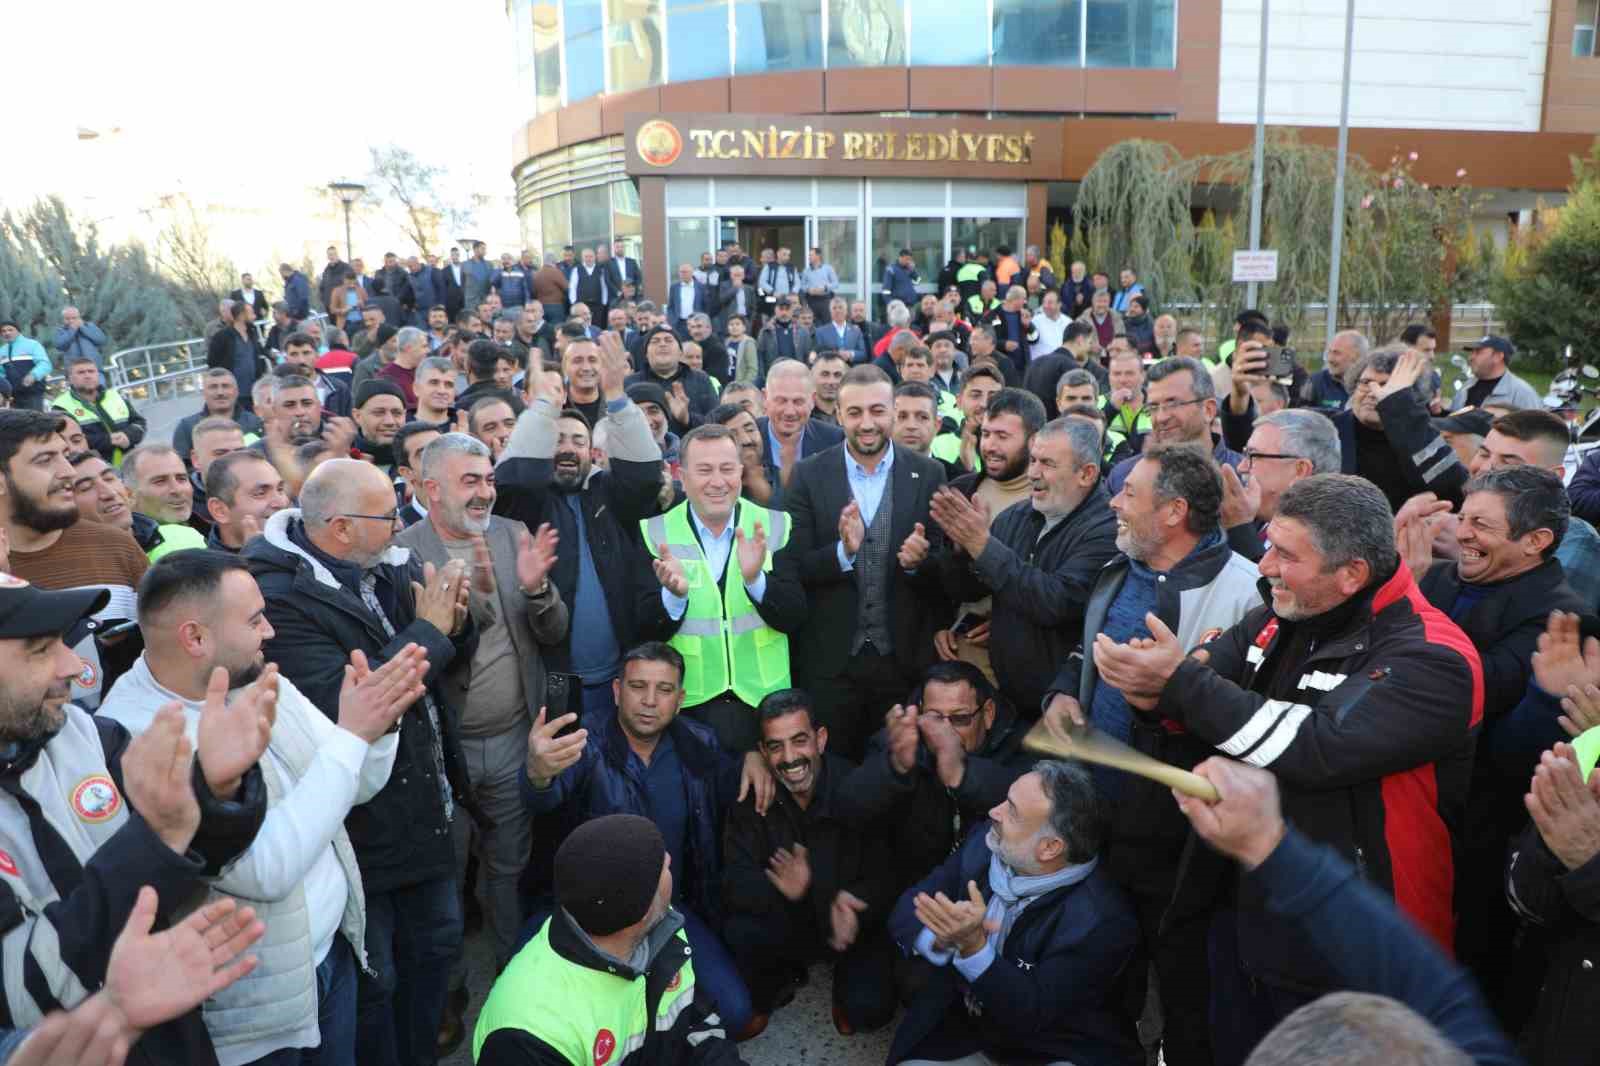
x: 687, y: 646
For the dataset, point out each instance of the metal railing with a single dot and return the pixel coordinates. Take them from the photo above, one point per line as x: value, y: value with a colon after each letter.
x: 163, y: 371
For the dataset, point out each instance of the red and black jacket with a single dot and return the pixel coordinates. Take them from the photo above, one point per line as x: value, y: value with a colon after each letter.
x: 1368, y: 715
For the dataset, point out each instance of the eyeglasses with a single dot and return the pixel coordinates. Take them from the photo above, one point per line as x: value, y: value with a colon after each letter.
x: 392, y: 517
x: 1172, y: 405
x: 1252, y: 456
x: 960, y: 721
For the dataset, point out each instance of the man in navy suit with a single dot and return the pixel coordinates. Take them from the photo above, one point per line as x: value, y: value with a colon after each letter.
x: 686, y: 297
x: 626, y: 270
x: 788, y: 432
x: 864, y: 545
x: 842, y: 334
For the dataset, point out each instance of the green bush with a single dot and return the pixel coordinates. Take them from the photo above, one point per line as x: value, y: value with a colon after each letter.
x: 1552, y: 297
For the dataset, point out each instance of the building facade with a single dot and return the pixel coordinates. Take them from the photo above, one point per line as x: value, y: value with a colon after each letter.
x: 865, y: 126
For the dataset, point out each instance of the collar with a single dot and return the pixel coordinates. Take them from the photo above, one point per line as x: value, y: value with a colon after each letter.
x: 852, y: 467
x: 568, y: 939
x: 705, y: 531
x: 286, y: 532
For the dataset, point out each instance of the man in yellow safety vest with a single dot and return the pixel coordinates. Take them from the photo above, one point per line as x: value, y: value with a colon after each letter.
x: 110, y: 423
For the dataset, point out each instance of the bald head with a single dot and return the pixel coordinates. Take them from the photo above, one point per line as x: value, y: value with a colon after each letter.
x: 339, y: 487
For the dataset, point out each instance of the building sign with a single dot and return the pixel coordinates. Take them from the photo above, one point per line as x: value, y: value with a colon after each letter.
x: 850, y: 145
x: 1255, y: 266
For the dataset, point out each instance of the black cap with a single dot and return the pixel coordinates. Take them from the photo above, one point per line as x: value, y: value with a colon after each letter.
x: 7, y: 320
x: 1489, y: 340
x: 905, y: 251
x: 649, y: 392
x: 783, y: 301
x: 29, y: 611
x: 1474, y: 422
x: 607, y: 872
x: 377, y: 387
x: 650, y: 334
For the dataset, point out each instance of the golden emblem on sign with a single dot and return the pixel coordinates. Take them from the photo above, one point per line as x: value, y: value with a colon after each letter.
x: 658, y: 143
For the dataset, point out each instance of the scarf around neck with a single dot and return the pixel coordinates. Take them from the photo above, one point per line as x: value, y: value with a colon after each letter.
x: 1013, y: 892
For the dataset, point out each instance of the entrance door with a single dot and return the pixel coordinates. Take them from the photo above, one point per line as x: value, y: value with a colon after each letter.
x: 840, y: 243
x: 754, y: 234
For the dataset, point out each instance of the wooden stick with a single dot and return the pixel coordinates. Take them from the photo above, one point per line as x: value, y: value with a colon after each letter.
x: 1090, y: 745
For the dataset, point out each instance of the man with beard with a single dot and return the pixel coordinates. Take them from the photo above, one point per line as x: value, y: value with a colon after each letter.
x: 495, y: 693
x: 866, y: 549
x: 295, y: 405
x: 690, y: 393
x: 221, y: 400
x: 916, y: 416
x: 1028, y: 933
x: 616, y: 942
x: 1175, y: 566
x: 547, y: 477
x: 72, y: 785
x: 803, y: 884
x: 380, y: 411
x: 204, y: 623
x: 1359, y: 696
x: 159, y: 484
x: 1182, y: 402
x: 243, y: 490
x: 788, y: 432
x: 334, y: 584
x: 1035, y: 561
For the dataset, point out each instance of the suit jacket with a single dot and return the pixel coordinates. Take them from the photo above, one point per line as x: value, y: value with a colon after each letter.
x: 816, y: 436
x: 450, y: 291
x: 674, y: 310
x: 818, y: 490
x: 626, y: 269
x: 535, y: 620
x: 849, y: 340
x: 725, y: 307
x: 259, y: 302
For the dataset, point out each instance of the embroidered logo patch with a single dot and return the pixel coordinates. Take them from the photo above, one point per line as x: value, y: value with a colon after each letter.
x: 604, y: 1045
x: 96, y: 798
x: 88, y: 677
x: 1268, y: 631
x: 677, y: 979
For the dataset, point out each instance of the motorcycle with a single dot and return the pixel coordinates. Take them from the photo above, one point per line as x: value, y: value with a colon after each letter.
x: 1568, y: 390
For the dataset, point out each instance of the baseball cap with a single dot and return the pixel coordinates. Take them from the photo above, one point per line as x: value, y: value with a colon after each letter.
x: 1489, y: 340
x: 1475, y: 422
x: 29, y: 611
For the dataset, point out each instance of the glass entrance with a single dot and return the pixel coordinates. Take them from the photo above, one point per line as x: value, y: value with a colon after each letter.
x: 839, y: 240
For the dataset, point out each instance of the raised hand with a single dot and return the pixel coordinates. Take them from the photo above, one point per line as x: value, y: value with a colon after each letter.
x: 614, y: 366
x: 949, y: 757
x: 678, y: 403
x: 669, y: 571
x: 1561, y: 661
x: 1565, y: 809
x: 752, y: 552
x: 1066, y: 713
x: 372, y: 701
x: 1582, y: 704
x: 338, y: 434
x: 844, y: 918
x: 231, y: 737
x: 852, y: 531
x: 536, y: 556
x: 903, y: 737
x: 463, y: 421
x: 155, y: 776
x: 153, y: 978
x: 440, y: 595
x: 914, y: 549
x: 1140, y: 668
x: 1240, y: 499
x: 1408, y: 370
x: 549, y: 754
x: 790, y: 872
x: 944, y: 644
x: 965, y: 521
x: 956, y: 924
x: 1246, y: 822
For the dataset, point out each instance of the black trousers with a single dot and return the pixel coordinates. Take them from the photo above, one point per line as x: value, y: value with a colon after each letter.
x: 768, y: 948
x: 853, y: 704
x: 1177, y: 948
x: 731, y: 719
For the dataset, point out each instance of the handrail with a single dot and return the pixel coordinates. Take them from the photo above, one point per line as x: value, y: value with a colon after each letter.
x: 148, y: 362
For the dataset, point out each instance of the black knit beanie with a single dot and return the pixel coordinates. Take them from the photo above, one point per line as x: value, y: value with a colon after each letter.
x: 607, y: 872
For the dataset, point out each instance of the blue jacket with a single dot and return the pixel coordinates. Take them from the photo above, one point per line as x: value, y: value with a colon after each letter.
x: 817, y: 436
x: 22, y: 357
x: 672, y: 307
x: 601, y: 782
x: 851, y: 340
x: 477, y: 277
x: 297, y: 294
x: 514, y: 286
x: 428, y: 289
x: 900, y: 283
x: 87, y: 339
x: 1053, y: 993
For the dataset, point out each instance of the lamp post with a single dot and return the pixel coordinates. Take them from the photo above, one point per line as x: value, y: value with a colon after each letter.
x: 348, y: 193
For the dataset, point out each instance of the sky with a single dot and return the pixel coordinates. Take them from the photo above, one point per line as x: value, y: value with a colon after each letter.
x: 250, y: 105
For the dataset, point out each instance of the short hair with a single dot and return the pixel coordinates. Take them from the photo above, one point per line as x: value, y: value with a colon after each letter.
x: 80, y: 359
x: 706, y: 431
x: 918, y: 351
x: 953, y: 672
x: 482, y: 358
x: 983, y: 329
x: 222, y: 477
x: 653, y: 651
x: 734, y: 387
x: 1076, y: 379
x: 436, y: 362
x: 792, y: 368
x: 1082, y: 439
x: 1415, y: 332
x: 297, y: 339
x: 719, y: 415
x: 984, y: 369
x: 1077, y: 816
x: 833, y: 355
x: 218, y: 372
x: 1187, y: 473
x: 193, y: 574
x: 1083, y: 410
x: 786, y: 701
x: 865, y: 374
x: 446, y: 445
x: 897, y: 314
x: 1309, y: 435
x: 213, y: 424
x: 1534, y: 425
x: 1075, y: 330
x: 1534, y: 499
x: 403, y: 435
x: 1356, y: 1029
x: 1204, y: 389
x: 919, y: 390
x: 1139, y: 298
x: 18, y: 425
x: 285, y: 379
x: 135, y: 459
x: 1020, y: 402
x: 1348, y: 518
x: 486, y: 402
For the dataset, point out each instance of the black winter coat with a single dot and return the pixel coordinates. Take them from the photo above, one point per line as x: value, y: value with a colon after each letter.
x: 1566, y: 905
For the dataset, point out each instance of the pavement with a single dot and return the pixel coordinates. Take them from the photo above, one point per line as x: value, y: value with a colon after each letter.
x: 162, y: 416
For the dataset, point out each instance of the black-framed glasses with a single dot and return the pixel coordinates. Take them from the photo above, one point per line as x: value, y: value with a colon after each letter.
x: 960, y: 721
x: 392, y: 517
x: 1172, y: 405
x: 1251, y: 456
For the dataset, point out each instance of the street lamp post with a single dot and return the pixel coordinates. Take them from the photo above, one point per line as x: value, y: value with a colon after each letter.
x: 348, y: 193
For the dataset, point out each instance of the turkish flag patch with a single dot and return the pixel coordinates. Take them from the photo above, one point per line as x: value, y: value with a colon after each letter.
x: 605, y: 1045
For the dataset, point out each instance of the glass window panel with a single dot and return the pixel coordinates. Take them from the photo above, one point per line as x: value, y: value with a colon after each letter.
x: 986, y: 233
x: 532, y: 220
x: 591, y: 217
x: 776, y: 35
x: 547, y: 55
x: 948, y: 34
x: 838, y: 192
x: 1131, y: 33
x: 893, y: 192
x: 1027, y: 32
x: 625, y: 213
x: 688, y: 192
x: 697, y: 39
x: 586, y: 71
x: 923, y: 236
x: 687, y: 240
x: 635, y: 42
x: 866, y: 33
x: 990, y: 194
x: 837, y: 239
x: 779, y: 194
x: 554, y: 212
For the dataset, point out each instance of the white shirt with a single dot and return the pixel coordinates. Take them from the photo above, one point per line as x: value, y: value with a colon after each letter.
x: 685, y: 299
x: 1051, y: 333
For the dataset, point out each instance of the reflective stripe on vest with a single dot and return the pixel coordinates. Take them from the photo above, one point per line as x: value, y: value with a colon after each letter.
x: 586, y: 1016
x: 725, y: 643
x: 112, y: 403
